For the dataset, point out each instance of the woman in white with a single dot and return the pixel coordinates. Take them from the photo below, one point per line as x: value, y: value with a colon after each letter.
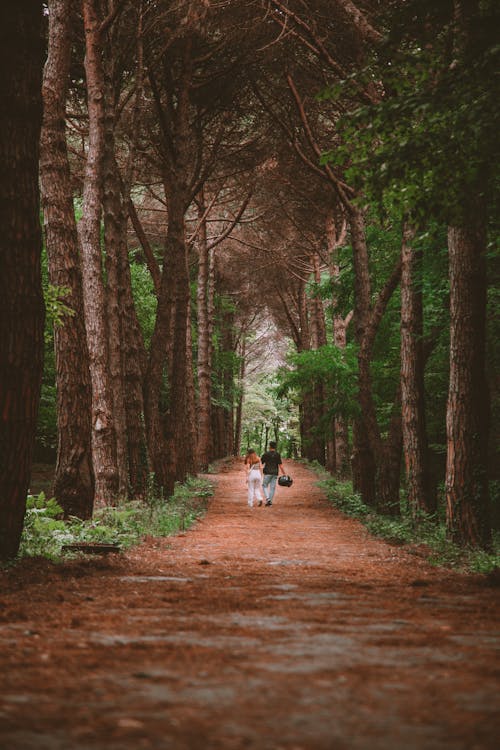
x: 254, y: 477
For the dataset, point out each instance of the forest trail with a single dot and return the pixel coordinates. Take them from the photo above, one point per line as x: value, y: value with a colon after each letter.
x: 283, y: 628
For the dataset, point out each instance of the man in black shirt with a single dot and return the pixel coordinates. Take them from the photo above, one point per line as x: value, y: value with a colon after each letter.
x: 271, y: 461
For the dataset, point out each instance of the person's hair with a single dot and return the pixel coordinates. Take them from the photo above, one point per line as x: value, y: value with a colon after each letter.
x: 272, y: 444
x: 251, y: 457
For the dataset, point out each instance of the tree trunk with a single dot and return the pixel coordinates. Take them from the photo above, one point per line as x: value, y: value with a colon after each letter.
x: 211, y: 287
x: 115, y: 232
x: 134, y: 358
x: 74, y: 475
x: 467, y: 498
x: 94, y: 298
x: 311, y: 447
x: 135, y: 362
x: 204, y: 360
x: 319, y: 311
x: 340, y: 423
x: 388, y: 479
x: 191, y: 394
x: 412, y: 380
x: 228, y: 381
x: 363, y: 457
x: 340, y: 428
x: 367, y: 320
x: 181, y: 439
x: 153, y: 383
x: 318, y: 340
x: 241, y: 396
x: 21, y: 322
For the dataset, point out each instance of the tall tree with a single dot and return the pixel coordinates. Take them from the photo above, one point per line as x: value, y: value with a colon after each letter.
x: 415, y: 446
x: 467, y: 423
x: 94, y: 296
x: 467, y: 417
x: 204, y: 360
x: 74, y: 476
x: 21, y: 321
x: 335, y: 237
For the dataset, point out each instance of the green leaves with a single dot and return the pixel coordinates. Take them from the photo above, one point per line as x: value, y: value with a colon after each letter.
x: 45, y: 531
x: 430, y: 145
x: 329, y: 366
x: 55, y: 307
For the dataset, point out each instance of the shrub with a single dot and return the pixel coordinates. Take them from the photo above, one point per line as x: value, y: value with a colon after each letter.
x: 126, y: 524
x: 428, y: 530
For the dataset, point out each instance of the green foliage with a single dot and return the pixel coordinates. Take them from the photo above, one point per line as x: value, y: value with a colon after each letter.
x: 45, y: 531
x: 430, y: 146
x: 144, y: 298
x: 343, y: 497
x: 427, y: 531
x: 265, y: 411
x: 55, y: 308
x: 329, y: 366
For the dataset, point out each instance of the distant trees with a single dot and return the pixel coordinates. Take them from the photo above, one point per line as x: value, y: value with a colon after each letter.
x: 415, y: 441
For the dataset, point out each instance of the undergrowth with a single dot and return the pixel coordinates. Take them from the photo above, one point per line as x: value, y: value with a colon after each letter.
x: 126, y: 524
x: 402, y: 530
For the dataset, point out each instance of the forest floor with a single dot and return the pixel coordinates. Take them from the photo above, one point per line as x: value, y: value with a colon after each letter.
x: 282, y: 628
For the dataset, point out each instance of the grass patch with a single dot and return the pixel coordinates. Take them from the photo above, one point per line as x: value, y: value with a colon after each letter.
x: 403, y: 530
x: 126, y: 524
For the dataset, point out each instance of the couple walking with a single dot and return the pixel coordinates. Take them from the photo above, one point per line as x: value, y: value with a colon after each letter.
x: 263, y: 472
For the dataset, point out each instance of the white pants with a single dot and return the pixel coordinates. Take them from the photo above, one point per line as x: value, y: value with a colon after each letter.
x: 254, y: 486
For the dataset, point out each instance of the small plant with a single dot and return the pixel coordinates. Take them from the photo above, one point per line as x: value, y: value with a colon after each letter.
x: 44, y: 530
x: 341, y: 494
x: 126, y: 524
x: 427, y: 530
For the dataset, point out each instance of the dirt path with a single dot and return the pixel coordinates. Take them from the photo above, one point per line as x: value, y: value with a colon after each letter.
x: 283, y: 627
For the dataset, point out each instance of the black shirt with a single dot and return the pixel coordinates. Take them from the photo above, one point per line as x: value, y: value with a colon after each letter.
x: 271, y: 460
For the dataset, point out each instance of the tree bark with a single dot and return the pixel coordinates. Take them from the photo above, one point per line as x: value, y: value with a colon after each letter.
x: 367, y: 320
x: 190, y: 395
x: 22, y: 318
x: 367, y: 32
x: 319, y: 312
x: 363, y: 455
x: 74, y: 475
x: 323, y: 445
x: 182, y: 449
x: 312, y: 448
x: 94, y: 298
x: 204, y: 360
x: 340, y: 428
x: 228, y: 381
x: 388, y: 481
x: 340, y: 423
x: 241, y: 396
x: 415, y: 446
x: 115, y: 232
x: 154, y: 401
x: 134, y: 366
x: 467, y: 497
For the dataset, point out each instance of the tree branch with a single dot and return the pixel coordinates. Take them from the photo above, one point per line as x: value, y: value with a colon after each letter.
x: 152, y: 263
x: 379, y: 307
x: 341, y: 187
x: 231, y: 226
x: 359, y: 20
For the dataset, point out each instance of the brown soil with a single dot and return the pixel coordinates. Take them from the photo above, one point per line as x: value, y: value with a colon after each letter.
x: 284, y: 627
